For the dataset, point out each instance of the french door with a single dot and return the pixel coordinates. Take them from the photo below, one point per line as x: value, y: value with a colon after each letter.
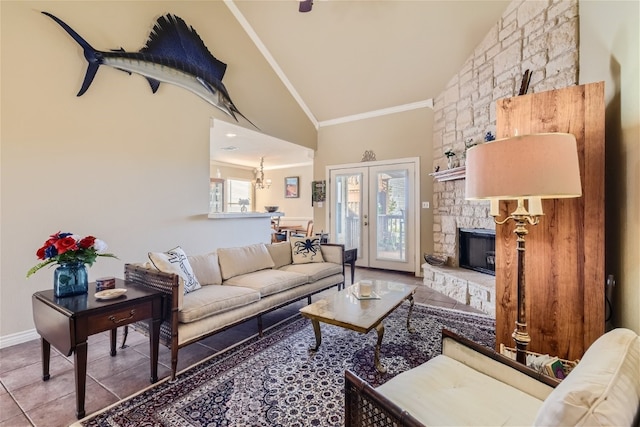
x: 372, y: 208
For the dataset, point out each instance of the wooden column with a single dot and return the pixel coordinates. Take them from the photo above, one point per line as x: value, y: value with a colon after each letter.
x: 565, y: 278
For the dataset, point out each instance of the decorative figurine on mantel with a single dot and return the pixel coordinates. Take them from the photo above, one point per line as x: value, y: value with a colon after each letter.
x: 489, y: 136
x: 451, y: 161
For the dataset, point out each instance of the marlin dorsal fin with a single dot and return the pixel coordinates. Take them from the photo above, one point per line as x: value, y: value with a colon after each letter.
x: 171, y: 38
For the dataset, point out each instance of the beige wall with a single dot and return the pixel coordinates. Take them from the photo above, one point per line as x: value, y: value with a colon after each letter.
x: 121, y: 163
x: 609, y: 51
x: 395, y: 136
x: 297, y: 210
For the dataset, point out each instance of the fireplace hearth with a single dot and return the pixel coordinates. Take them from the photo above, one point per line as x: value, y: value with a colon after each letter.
x: 477, y: 250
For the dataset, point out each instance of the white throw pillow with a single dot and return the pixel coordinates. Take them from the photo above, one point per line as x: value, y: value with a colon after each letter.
x: 175, y: 261
x: 305, y: 250
x: 602, y: 390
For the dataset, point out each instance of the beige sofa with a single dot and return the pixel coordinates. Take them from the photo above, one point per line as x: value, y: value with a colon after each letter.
x: 231, y: 285
x: 471, y: 385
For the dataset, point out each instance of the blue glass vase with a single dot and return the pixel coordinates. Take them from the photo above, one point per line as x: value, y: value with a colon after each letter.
x: 70, y: 279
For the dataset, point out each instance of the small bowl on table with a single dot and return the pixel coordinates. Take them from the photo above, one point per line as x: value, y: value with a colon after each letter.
x: 271, y: 209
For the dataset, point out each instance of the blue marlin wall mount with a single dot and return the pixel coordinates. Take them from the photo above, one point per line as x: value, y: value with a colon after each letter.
x: 174, y: 54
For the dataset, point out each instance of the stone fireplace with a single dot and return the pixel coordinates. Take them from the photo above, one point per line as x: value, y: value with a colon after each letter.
x: 537, y: 36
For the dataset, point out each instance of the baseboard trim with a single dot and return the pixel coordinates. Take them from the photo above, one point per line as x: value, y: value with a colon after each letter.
x: 18, y: 338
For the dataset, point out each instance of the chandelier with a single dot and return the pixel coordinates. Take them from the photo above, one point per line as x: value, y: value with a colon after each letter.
x: 260, y: 183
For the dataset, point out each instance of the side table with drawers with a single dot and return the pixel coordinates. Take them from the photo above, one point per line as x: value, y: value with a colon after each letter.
x: 67, y: 322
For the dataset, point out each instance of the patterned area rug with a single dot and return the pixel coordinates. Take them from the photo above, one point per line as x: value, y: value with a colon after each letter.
x: 275, y: 381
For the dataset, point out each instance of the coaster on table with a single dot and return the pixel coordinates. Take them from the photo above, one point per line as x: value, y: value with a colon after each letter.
x: 372, y: 295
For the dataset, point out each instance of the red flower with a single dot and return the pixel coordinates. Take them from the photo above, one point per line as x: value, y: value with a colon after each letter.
x: 87, y: 242
x: 65, y: 244
x: 61, y: 248
x: 41, y: 252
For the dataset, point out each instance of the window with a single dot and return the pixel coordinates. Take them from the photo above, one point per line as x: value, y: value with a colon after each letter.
x: 239, y: 199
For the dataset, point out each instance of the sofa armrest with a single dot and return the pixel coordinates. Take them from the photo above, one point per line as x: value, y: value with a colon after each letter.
x: 496, y: 365
x: 170, y: 286
x: 333, y: 252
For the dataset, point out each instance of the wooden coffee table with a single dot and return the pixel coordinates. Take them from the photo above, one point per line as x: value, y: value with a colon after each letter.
x: 361, y: 315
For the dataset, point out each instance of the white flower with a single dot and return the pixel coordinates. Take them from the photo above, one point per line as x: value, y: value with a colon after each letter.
x: 99, y: 245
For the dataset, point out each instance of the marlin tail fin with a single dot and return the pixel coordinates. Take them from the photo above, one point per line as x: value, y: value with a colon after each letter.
x: 92, y: 56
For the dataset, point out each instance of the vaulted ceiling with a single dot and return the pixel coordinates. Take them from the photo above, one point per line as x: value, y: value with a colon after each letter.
x: 347, y: 59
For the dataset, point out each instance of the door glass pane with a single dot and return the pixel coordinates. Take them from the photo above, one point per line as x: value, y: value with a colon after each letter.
x: 348, y: 210
x: 392, y: 188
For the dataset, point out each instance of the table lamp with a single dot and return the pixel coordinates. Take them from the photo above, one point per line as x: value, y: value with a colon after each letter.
x: 528, y: 167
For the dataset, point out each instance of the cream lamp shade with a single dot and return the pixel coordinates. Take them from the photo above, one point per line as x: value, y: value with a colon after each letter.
x: 534, y: 167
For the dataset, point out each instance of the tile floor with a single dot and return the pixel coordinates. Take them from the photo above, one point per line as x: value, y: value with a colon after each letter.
x: 26, y: 400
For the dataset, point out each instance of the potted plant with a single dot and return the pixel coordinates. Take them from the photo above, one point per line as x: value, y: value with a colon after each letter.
x: 243, y: 204
x: 72, y: 253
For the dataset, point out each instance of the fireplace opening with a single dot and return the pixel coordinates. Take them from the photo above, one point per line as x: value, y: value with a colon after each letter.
x: 477, y: 250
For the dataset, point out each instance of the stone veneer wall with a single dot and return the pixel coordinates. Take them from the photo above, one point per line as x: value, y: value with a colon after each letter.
x: 539, y: 35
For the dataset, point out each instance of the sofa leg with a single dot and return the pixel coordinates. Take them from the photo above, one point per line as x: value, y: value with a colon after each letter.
x: 260, y: 326
x: 174, y: 362
x: 309, y: 299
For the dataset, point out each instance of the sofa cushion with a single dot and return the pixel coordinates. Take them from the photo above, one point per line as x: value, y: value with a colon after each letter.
x: 306, y: 249
x: 446, y: 392
x: 268, y: 282
x: 214, y: 299
x: 206, y: 268
x: 280, y: 254
x: 175, y: 261
x: 603, y: 389
x: 245, y: 259
x: 314, y: 270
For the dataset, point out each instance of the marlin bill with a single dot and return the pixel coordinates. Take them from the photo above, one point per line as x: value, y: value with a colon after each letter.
x: 174, y: 53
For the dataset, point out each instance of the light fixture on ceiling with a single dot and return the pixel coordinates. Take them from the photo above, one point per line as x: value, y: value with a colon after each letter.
x: 260, y: 183
x: 531, y: 167
x: 305, y: 6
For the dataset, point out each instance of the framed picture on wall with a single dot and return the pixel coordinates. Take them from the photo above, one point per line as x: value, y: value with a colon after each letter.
x: 291, y: 186
x: 318, y: 192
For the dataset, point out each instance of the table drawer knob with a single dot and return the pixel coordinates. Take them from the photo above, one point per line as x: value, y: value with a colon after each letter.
x: 116, y: 321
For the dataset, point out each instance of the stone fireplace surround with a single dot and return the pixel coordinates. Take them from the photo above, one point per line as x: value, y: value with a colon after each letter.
x: 472, y: 288
x: 540, y: 36
x: 452, y: 212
